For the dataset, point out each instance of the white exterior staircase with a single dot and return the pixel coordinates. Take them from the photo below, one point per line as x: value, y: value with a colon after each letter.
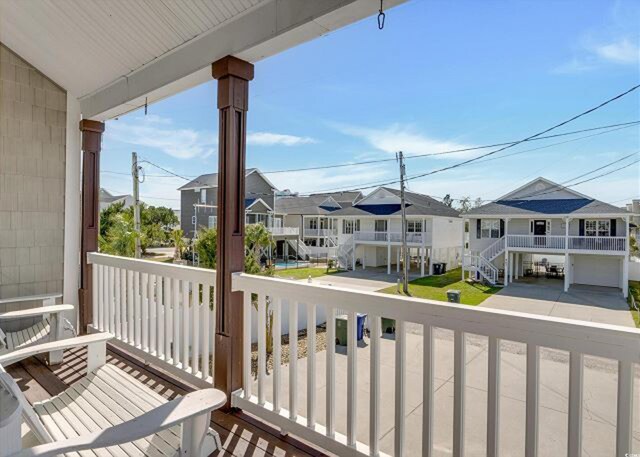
x: 345, y: 255
x: 301, y: 249
x: 481, y: 262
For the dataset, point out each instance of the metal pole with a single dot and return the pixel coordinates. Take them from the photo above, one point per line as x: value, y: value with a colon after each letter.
x: 135, y: 169
x: 405, y: 251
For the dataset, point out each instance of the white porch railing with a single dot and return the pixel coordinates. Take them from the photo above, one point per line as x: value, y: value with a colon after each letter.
x: 481, y: 265
x: 493, y: 250
x: 284, y: 230
x: 164, y: 310
x: 536, y: 241
x: 319, y: 232
x: 577, y: 338
x: 598, y: 243
x: 393, y: 237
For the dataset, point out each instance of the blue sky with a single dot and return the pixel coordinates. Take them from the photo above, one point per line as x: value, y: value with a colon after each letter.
x: 441, y: 75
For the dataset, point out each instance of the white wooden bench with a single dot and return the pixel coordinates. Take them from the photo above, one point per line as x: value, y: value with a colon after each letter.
x: 49, y: 324
x: 110, y: 413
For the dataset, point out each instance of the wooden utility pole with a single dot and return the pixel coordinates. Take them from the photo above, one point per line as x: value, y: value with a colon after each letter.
x: 405, y: 251
x: 136, y: 201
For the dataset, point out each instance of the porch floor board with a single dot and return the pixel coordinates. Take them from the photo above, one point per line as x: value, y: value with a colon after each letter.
x: 240, y: 433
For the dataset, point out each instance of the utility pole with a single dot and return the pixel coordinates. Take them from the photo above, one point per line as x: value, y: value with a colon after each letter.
x: 135, y: 173
x: 405, y: 251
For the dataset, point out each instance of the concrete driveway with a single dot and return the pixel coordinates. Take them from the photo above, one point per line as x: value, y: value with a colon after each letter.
x: 547, y: 297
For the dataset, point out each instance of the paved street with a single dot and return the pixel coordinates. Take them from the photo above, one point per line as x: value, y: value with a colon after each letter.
x: 600, y: 383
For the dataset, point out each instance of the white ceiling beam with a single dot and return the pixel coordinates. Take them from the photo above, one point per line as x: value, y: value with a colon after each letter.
x: 266, y: 30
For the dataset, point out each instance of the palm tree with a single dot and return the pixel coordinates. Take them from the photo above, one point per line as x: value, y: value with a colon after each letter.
x: 121, y: 237
x: 179, y: 245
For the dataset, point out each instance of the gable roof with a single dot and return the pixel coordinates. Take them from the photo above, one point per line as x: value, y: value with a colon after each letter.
x: 211, y: 180
x: 416, y: 205
x: 528, y: 204
x: 313, y: 205
x: 349, y: 197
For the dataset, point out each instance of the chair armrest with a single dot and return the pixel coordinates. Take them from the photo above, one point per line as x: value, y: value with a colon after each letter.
x: 172, y: 413
x: 59, y: 345
x: 33, y: 312
x: 42, y: 297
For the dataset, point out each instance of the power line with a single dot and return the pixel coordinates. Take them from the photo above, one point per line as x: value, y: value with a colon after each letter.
x: 536, y: 135
x: 453, y: 151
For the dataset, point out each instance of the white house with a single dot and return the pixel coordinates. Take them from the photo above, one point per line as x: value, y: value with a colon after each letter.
x: 517, y: 234
x: 107, y: 199
x: 370, y: 231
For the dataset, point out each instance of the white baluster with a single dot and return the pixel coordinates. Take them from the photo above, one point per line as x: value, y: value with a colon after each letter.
x: 293, y: 360
x: 331, y: 371
x: 576, y: 369
x: 123, y: 304
x: 626, y: 400
x: 374, y: 389
x: 533, y: 390
x: 262, y: 346
x: 277, y: 352
x: 130, y: 309
x: 195, y: 338
x: 352, y: 380
x: 493, y: 398
x: 311, y: 365
x: 427, y: 391
x: 206, y: 312
x: 175, y: 286
x: 116, y: 293
x: 459, y: 365
x: 153, y: 314
x: 95, y: 269
x: 159, y: 348
x: 137, y: 297
x: 246, y: 344
x: 169, y: 304
x: 401, y: 352
x: 145, y: 312
x: 185, y: 325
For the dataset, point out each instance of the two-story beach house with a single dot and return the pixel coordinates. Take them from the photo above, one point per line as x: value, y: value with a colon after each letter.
x: 199, y: 197
x: 369, y: 232
x: 545, y: 229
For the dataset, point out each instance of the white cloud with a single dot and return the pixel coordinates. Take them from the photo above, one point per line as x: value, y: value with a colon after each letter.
x: 273, y: 139
x: 622, y: 51
x: 331, y: 179
x: 593, y: 55
x: 158, y: 133
x: 396, y: 138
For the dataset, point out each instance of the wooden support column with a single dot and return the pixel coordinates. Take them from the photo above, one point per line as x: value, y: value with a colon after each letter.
x: 91, y: 145
x: 233, y: 77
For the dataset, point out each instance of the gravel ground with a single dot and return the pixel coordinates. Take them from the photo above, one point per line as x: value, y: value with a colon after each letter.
x: 321, y: 345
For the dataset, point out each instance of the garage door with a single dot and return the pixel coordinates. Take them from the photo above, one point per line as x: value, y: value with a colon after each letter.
x: 596, y: 270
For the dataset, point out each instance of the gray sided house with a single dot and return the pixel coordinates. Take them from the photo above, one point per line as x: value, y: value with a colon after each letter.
x: 199, y: 200
x: 543, y: 229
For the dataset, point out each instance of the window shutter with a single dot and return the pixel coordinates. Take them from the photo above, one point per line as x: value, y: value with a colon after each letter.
x: 501, y: 228
x: 612, y: 228
x: 581, y: 227
x: 478, y: 229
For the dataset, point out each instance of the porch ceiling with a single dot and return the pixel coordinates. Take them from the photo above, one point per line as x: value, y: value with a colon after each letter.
x: 111, y: 54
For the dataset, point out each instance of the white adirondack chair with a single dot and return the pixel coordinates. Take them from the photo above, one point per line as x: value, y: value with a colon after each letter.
x: 49, y: 325
x: 110, y: 413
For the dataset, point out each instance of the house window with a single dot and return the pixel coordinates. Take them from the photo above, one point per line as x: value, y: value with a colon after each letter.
x: 490, y: 228
x: 597, y: 228
x: 350, y: 225
x: 203, y: 196
x: 313, y: 224
x: 381, y: 225
x: 414, y: 226
x: 213, y: 221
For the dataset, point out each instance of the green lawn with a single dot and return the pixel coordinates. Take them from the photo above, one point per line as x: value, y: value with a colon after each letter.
x: 634, y: 289
x: 303, y: 273
x: 435, y: 288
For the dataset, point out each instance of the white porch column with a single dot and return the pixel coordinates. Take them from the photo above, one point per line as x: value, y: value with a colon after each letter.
x: 353, y: 245
x: 430, y: 261
x: 364, y: 257
x: 567, y: 257
x: 318, y: 232
x: 625, y: 260
x: 516, y: 256
x: 72, y: 185
x: 506, y: 252
x: 398, y: 261
x: 422, y: 261
x: 388, y: 258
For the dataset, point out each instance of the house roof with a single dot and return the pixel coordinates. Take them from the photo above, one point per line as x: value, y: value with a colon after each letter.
x: 537, y: 198
x: 312, y: 205
x: 347, y: 197
x: 107, y: 197
x: 416, y: 205
x: 546, y: 207
x: 211, y: 180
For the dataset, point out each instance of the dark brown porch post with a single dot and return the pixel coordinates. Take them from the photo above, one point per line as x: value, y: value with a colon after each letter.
x: 91, y: 145
x: 233, y: 77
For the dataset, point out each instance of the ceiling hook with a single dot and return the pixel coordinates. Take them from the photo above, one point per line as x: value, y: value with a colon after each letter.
x: 381, y: 16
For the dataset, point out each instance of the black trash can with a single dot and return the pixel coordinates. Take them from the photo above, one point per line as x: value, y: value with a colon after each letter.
x: 444, y: 268
x: 437, y: 268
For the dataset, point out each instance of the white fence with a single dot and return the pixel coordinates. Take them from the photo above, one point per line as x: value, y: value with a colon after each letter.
x: 634, y: 269
x: 577, y: 338
x: 162, y: 310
